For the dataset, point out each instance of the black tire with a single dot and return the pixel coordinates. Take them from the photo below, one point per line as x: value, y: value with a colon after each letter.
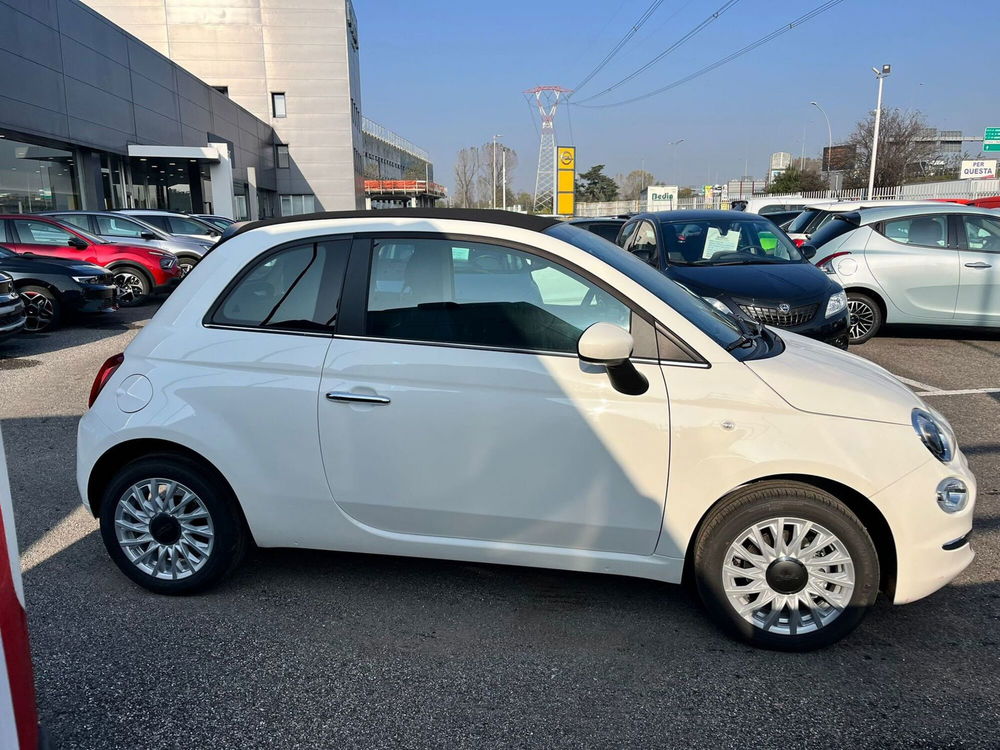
x: 133, y: 285
x: 759, y: 503
x: 230, y: 534
x: 865, y: 319
x: 41, y: 307
x: 186, y: 263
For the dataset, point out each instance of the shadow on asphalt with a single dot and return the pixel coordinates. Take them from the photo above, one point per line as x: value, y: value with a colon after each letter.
x: 72, y: 332
x: 953, y: 333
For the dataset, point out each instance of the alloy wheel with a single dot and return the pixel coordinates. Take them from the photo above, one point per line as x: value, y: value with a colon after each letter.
x: 130, y: 287
x: 39, y: 310
x: 185, y: 267
x: 164, y: 529
x: 788, y: 576
x: 862, y: 318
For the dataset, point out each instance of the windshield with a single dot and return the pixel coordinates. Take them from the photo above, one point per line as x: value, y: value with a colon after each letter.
x: 6, y: 253
x: 727, y: 242
x: 720, y: 327
x: 800, y: 222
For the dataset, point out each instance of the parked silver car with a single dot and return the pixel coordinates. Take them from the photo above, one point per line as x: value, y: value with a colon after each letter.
x: 175, y: 223
x: 114, y: 227
x: 932, y: 264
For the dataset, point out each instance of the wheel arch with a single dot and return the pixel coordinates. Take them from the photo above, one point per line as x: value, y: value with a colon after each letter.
x: 866, y: 511
x: 116, y: 457
x: 21, y: 283
x: 132, y: 265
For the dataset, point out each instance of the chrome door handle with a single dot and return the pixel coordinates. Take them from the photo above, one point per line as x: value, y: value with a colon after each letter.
x: 978, y: 265
x: 358, y: 398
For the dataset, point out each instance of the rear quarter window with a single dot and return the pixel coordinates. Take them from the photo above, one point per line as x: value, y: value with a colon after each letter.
x: 839, y: 226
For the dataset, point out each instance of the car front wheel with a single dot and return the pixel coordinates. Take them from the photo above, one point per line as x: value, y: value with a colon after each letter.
x: 786, y: 566
x: 171, y: 526
x: 133, y: 286
x: 41, y: 307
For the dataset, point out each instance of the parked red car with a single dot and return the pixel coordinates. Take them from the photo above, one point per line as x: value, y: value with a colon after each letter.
x: 139, y: 271
x: 991, y: 202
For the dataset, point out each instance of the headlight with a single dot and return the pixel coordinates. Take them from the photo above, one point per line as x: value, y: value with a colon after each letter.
x: 168, y: 262
x: 934, y: 434
x: 718, y: 305
x: 87, y: 279
x: 837, y: 304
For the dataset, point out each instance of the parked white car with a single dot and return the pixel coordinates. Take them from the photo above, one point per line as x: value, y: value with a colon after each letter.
x: 815, y: 217
x: 777, y: 204
x: 500, y: 388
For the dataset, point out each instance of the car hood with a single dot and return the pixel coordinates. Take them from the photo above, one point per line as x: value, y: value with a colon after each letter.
x: 780, y: 282
x: 818, y: 378
x: 28, y: 263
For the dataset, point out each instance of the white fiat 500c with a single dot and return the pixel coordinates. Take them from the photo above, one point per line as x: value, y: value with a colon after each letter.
x: 491, y: 387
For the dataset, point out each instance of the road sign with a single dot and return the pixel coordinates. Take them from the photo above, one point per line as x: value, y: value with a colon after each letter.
x: 565, y: 204
x: 991, y: 139
x: 979, y: 169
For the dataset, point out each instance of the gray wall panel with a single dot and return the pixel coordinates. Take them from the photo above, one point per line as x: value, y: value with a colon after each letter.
x: 29, y: 118
x: 90, y: 28
x: 151, y: 95
x: 86, y: 102
x: 28, y: 37
x: 31, y: 83
x: 89, y: 66
x: 152, y: 127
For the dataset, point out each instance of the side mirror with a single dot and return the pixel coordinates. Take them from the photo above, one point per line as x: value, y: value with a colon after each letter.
x: 610, y: 346
x: 77, y: 243
x: 808, y: 251
x: 147, y: 236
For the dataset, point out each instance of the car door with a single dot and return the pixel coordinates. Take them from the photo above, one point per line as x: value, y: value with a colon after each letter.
x: 644, y: 244
x: 979, y: 255
x: 45, y: 238
x: 459, y: 408
x: 916, y: 263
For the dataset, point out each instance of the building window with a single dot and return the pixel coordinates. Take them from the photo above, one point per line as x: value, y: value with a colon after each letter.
x: 224, y: 90
x: 278, y: 104
x: 281, y: 155
x: 294, y: 205
x: 36, y: 178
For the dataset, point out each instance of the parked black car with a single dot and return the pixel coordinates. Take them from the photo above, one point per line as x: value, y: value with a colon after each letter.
x: 54, y: 288
x: 603, y: 226
x: 12, y: 317
x: 744, y: 265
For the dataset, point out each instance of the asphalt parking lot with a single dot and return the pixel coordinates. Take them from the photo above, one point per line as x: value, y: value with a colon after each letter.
x: 310, y: 649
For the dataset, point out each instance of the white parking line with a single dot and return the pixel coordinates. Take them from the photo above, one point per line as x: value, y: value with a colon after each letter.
x: 963, y: 392
x: 916, y: 384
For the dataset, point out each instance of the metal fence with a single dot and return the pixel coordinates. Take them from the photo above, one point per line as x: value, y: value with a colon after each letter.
x: 966, y: 189
x: 375, y: 130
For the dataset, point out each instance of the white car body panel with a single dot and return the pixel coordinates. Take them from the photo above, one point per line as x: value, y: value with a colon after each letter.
x: 606, y: 478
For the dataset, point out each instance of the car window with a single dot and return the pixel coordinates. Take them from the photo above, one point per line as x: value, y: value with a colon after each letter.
x: 926, y: 231
x: 180, y: 225
x: 77, y: 220
x: 480, y: 294
x: 116, y: 226
x: 3, y: 230
x: 644, y: 244
x: 5, y: 252
x: 605, y: 230
x: 727, y: 241
x: 801, y: 222
x: 295, y: 289
x: 982, y: 233
x: 626, y: 234
x: 160, y: 222
x: 40, y: 232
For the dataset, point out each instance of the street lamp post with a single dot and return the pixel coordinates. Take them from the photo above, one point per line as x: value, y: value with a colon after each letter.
x: 829, y: 136
x: 673, y: 164
x: 880, y: 75
x: 493, y: 172
x: 503, y: 182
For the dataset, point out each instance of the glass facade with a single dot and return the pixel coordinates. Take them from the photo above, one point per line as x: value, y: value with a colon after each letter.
x: 36, y: 178
x: 294, y: 205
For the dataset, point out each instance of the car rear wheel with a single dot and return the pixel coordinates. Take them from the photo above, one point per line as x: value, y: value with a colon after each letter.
x: 133, y: 286
x: 865, y: 317
x: 41, y: 308
x: 786, y: 566
x: 171, y: 526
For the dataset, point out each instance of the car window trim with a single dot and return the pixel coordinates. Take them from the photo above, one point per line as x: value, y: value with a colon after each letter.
x: 207, y: 322
x: 357, y: 280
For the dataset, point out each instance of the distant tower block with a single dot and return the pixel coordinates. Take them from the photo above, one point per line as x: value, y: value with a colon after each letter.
x: 547, y: 101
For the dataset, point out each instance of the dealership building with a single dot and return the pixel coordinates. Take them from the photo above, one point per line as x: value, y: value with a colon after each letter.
x: 245, y: 108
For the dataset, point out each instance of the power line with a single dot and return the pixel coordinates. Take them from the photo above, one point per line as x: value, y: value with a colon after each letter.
x: 621, y: 43
x: 727, y: 59
x: 700, y: 27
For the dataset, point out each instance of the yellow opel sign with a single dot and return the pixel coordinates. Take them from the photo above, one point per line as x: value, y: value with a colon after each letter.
x: 565, y: 203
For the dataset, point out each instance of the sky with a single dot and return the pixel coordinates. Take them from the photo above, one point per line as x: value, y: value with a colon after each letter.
x: 447, y: 74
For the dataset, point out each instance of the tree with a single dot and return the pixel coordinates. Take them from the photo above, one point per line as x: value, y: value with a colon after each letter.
x: 522, y: 199
x: 594, y: 185
x: 903, y: 151
x: 466, y: 169
x: 794, y: 181
x: 685, y: 192
x: 633, y: 185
